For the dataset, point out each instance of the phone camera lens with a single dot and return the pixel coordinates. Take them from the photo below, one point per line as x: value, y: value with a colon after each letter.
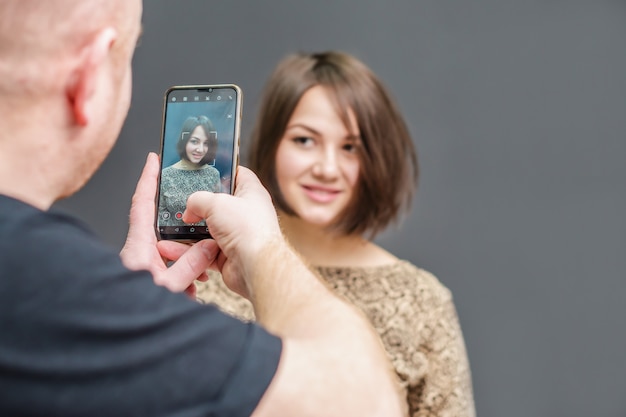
x: 210, y: 90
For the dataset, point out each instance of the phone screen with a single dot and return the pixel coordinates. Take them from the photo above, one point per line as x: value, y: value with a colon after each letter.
x: 199, y: 152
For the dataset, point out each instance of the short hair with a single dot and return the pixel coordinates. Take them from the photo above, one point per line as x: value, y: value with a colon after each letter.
x: 185, y: 134
x: 388, y: 169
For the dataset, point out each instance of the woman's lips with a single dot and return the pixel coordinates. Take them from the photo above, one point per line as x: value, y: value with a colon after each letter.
x: 321, y: 194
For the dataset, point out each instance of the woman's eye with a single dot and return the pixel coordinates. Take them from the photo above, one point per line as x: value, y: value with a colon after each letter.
x: 350, y: 147
x: 303, y: 140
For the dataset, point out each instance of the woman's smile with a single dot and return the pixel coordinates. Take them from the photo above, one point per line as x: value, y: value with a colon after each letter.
x: 320, y: 194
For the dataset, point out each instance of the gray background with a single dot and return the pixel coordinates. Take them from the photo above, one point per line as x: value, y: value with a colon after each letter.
x: 518, y: 109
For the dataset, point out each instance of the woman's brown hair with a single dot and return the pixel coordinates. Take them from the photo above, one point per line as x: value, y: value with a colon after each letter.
x: 388, y: 160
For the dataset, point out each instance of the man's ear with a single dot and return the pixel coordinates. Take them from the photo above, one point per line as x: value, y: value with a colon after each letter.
x: 82, y: 85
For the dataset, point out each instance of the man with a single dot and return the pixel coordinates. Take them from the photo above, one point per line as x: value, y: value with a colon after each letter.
x: 85, y: 331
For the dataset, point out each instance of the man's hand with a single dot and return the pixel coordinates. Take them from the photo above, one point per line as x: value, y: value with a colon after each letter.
x: 242, y: 225
x: 142, y: 251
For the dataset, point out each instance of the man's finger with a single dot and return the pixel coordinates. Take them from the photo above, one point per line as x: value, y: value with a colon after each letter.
x: 191, y: 265
x: 198, y: 206
x: 191, y: 291
x: 142, y: 205
x: 172, y: 250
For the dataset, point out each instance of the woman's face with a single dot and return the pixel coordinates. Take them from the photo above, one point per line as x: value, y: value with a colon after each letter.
x: 317, y: 166
x: 197, y: 145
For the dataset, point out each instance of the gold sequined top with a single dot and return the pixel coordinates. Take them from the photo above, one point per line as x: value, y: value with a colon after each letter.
x: 416, y: 319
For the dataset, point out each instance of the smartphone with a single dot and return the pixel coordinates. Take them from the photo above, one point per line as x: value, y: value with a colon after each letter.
x: 199, y: 151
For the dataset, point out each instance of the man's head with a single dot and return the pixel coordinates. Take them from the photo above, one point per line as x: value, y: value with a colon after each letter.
x: 66, y: 65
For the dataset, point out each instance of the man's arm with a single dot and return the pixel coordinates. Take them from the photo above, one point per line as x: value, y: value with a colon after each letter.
x: 333, y: 363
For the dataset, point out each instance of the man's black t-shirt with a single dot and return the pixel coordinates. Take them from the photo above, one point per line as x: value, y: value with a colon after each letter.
x: 81, y: 335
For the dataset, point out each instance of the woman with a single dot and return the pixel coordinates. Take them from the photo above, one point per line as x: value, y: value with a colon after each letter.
x: 337, y: 157
x: 197, y: 148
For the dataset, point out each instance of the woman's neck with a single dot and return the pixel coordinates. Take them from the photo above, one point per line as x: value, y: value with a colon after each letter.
x: 187, y: 165
x: 321, y: 247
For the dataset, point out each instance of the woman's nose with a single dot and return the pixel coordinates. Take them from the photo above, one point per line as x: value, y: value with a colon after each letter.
x: 326, y: 165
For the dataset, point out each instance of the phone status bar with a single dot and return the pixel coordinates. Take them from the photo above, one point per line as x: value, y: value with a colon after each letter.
x: 199, y: 96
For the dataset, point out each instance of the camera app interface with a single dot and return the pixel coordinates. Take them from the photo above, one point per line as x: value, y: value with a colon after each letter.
x: 198, y: 143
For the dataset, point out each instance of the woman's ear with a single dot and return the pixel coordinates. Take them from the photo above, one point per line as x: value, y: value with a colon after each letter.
x: 82, y: 86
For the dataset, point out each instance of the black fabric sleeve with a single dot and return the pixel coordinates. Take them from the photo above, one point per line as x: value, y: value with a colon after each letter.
x: 82, y: 335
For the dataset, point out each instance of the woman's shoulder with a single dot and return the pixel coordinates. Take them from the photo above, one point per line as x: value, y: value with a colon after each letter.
x: 421, y: 274
x: 169, y: 174
x: 400, y: 277
x: 210, y: 168
x: 170, y: 170
x: 424, y: 280
x: 210, y: 172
